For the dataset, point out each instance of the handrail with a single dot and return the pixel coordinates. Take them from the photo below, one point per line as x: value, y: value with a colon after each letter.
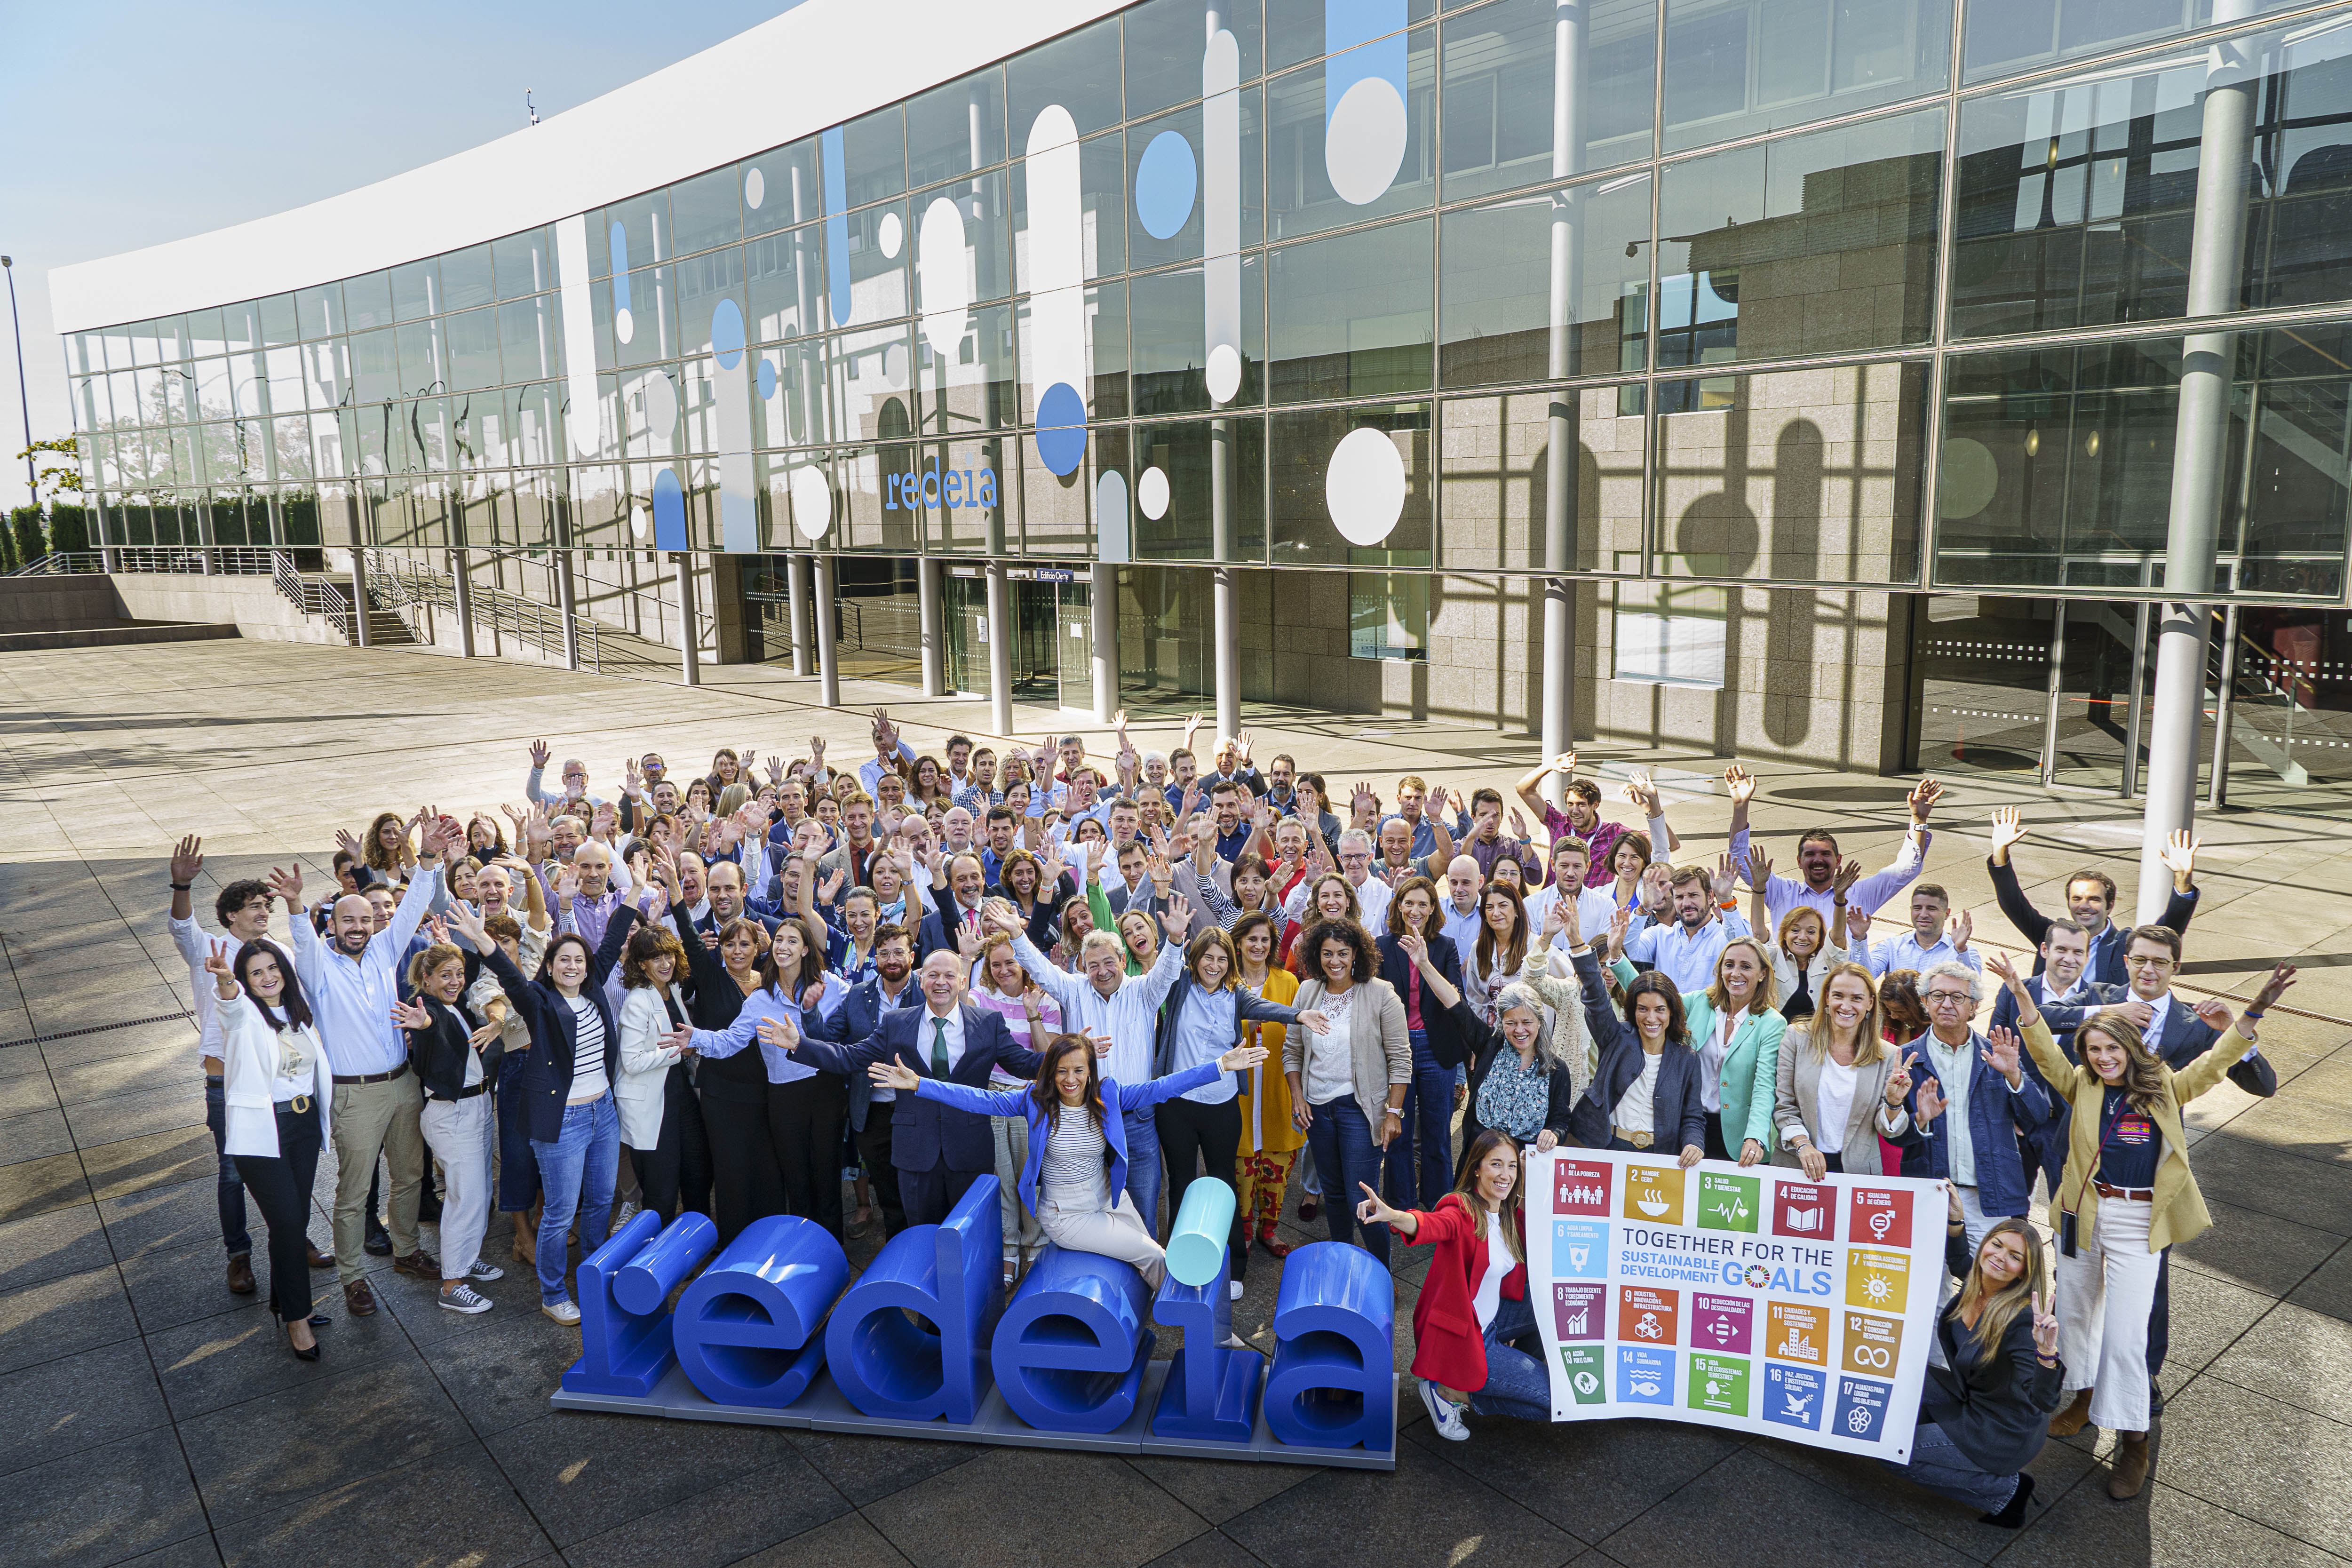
x: 527, y: 620
x: 312, y: 596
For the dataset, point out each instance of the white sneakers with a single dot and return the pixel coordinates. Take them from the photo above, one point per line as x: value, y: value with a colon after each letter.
x: 1232, y: 1289
x: 1443, y: 1413
x: 623, y: 1215
x: 465, y: 1300
x: 485, y: 1272
x: 564, y: 1312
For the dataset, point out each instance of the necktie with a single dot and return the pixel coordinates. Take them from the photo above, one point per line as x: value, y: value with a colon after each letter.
x: 940, y: 1047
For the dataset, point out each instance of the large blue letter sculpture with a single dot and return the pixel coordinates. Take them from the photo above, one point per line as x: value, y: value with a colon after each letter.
x: 916, y: 1345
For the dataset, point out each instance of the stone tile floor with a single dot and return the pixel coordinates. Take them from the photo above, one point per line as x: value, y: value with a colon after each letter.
x: 147, y: 1413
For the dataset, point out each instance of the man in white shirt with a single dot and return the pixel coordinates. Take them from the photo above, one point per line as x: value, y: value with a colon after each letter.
x: 1373, y: 894
x: 1685, y: 949
x: 1928, y: 941
x: 243, y: 910
x: 1596, y: 908
x: 1814, y: 887
x: 352, y: 984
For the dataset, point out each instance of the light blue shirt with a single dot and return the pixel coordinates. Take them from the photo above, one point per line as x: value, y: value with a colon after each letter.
x: 1957, y: 1070
x: 1905, y: 952
x: 1204, y: 1033
x: 869, y: 772
x: 1685, y: 958
x: 351, y: 997
x: 1460, y: 929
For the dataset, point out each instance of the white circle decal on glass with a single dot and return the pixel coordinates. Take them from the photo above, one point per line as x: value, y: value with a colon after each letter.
x: 890, y: 233
x: 637, y: 521
x: 1225, y: 373
x: 1364, y: 487
x: 625, y: 326
x: 812, y: 502
x: 755, y: 188
x: 939, y: 271
x: 1151, y: 493
x: 1363, y: 146
x: 661, y: 407
x: 1970, y: 475
x: 893, y: 367
x: 1110, y: 517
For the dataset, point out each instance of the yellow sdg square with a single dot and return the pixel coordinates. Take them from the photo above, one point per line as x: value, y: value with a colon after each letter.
x: 1654, y: 1192
x: 1878, y: 1281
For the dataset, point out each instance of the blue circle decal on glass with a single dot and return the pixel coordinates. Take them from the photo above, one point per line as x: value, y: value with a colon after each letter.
x: 670, y: 510
x: 766, y: 378
x: 1166, y: 180
x: 1061, y: 429
x: 727, y: 334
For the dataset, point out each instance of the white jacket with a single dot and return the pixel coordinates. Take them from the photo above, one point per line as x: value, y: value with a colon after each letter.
x: 1784, y: 972
x: 249, y: 1074
x: 644, y: 1066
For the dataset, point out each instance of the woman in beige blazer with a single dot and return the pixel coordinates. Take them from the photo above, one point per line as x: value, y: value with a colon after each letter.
x: 1348, y: 1082
x: 1840, y: 1087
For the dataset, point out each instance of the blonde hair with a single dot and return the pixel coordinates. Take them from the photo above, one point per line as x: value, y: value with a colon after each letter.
x: 1766, y: 983
x: 1869, y: 1036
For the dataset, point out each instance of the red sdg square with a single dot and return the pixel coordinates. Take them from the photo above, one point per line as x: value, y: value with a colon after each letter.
x: 1879, y: 1217
x: 1805, y: 1211
x: 1581, y: 1186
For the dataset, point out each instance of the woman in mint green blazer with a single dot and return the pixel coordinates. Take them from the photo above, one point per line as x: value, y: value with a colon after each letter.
x: 1736, y: 1030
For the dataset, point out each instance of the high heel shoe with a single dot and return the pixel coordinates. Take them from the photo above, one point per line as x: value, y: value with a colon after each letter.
x: 287, y: 1329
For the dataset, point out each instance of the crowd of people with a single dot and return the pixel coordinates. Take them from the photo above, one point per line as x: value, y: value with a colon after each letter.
x: 846, y: 993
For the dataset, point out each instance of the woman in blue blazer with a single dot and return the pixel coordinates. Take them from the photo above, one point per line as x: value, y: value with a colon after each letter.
x: 1646, y: 1093
x: 1736, y: 1030
x: 1075, y: 1180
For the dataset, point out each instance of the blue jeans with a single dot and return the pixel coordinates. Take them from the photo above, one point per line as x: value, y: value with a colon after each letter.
x: 1427, y: 1129
x: 1940, y: 1467
x: 231, y: 1189
x: 577, y: 1170
x: 518, y: 1167
x: 1345, y: 1155
x: 1517, y: 1383
x: 1144, y: 1175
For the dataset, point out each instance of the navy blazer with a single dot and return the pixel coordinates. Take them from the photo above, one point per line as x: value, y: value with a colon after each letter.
x: 933, y: 934
x: 1045, y: 920
x: 2044, y: 1148
x: 858, y: 1016
x: 1997, y: 1114
x: 1678, y: 1117
x: 2184, y: 1038
x: 1396, y: 968
x: 546, y: 1075
x: 924, y: 1132
x: 2106, y: 967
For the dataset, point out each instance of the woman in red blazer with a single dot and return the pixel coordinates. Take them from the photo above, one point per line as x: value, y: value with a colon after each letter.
x: 1474, y: 1301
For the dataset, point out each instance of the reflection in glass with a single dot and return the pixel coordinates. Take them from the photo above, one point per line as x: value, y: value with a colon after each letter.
x: 1181, y: 451
x: 1300, y: 198
x: 1300, y: 451
x: 708, y: 211
x: 417, y: 289
x: 1349, y: 316
x: 1170, y: 343
x: 956, y: 128
x: 1164, y: 41
x: 1495, y: 283
x: 971, y: 389
x: 1078, y: 70
x: 1738, y: 67
x: 465, y: 278
x: 1501, y: 78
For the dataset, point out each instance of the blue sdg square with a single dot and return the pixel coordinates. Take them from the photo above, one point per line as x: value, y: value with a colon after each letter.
x: 1644, y: 1376
x: 1579, y: 1250
x: 1861, y: 1409
x: 1792, y: 1397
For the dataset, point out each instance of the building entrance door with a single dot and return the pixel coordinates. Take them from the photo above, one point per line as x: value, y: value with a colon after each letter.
x: 2095, y: 728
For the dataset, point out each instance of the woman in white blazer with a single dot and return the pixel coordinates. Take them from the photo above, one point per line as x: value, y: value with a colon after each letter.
x: 1841, y: 1088
x: 275, y: 1084
x: 1804, y: 950
x: 661, y: 1120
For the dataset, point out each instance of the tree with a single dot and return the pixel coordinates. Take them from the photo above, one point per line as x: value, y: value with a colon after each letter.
x: 24, y: 535
x: 56, y: 479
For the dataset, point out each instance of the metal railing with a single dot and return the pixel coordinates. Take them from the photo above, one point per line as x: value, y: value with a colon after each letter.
x: 63, y: 563
x: 311, y: 595
x: 403, y: 581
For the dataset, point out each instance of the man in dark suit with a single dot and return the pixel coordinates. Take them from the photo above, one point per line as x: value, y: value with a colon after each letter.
x: 1132, y: 889
x: 2090, y: 899
x: 891, y: 987
x: 724, y: 888
x: 938, y: 1151
x: 2060, y: 986
x: 967, y: 885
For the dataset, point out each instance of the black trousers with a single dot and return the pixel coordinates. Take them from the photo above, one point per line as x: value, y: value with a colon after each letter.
x: 1714, y: 1145
x: 1190, y: 1132
x: 881, y: 1176
x: 930, y: 1195
x: 678, y: 1166
x: 804, y: 1121
x: 282, y: 1191
x: 746, y: 1183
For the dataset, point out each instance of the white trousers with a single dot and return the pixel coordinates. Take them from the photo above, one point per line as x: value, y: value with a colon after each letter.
x: 2104, y: 1294
x: 461, y: 1133
x: 1118, y: 1232
x: 1023, y: 1239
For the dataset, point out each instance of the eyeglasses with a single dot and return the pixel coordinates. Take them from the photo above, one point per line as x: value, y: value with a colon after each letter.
x: 2141, y: 960
x: 1947, y: 998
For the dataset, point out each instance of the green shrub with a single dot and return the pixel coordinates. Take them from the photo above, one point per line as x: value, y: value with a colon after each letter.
x: 24, y: 535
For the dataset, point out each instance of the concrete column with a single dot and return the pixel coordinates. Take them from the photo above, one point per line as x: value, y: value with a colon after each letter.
x: 359, y: 596
x: 461, y: 586
x: 1227, y: 680
x: 563, y: 600
x: 828, y: 664
x: 1556, y: 717
x: 689, y: 639
x: 926, y: 611
x: 1102, y: 598
x: 796, y: 606
x: 1000, y: 652
x: 2216, y: 253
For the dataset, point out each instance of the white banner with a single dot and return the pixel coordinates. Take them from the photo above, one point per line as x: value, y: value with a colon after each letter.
x: 1752, y: 1298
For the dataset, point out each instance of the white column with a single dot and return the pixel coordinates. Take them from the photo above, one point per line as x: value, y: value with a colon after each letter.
x: 564, y: 601
x: 1227, y: 678
x: 359, y: 596
x: 689, y: 644
x: 461, y: 587
x: 1000, y: 652
x: 796, y: 606
x: 1556, y: 718
x: 926, y: 611
x: 1102, y: 599
x: 828, y: 667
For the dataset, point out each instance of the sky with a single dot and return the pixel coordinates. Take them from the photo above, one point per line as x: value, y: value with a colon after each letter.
x: 124, y: 125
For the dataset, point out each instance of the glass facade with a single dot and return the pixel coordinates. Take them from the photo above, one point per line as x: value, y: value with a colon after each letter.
x: 1772, y: 268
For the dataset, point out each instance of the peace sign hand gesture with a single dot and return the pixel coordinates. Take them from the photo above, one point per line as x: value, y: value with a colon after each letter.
x: 2045, y: 1328
x: 1898, y: 1082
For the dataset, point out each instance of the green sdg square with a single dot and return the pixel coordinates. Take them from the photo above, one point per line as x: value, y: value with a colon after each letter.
x: 1718, y: 1383
x: 1588, y: 1373
x: 1728, y: 1203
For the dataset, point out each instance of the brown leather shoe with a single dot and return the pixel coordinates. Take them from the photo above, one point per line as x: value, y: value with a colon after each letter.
x: 2071, y: 1420
x: 359, y: 1301
x: 2134, y: 1457
x: 240, y: 1274
x: 322, y: 1260
x: 419, y: 1263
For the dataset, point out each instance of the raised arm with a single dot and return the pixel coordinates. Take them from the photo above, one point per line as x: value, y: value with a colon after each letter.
x: 2007, y: 832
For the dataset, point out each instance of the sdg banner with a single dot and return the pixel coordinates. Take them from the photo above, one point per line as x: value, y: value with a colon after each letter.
x: 1749, y: 1298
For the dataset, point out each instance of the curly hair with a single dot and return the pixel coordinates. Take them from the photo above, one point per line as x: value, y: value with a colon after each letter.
x: 647, y: 944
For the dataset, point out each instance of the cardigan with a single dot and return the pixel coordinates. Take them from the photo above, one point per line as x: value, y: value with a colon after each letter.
x: 1117, y: 1099
x: 1379, y: 1052
x: 1449, y: 1347
x: 1796, y: 1106
x: 2178, y: 1213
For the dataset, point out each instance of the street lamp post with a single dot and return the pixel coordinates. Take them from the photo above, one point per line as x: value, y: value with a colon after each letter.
x: 24, y: 404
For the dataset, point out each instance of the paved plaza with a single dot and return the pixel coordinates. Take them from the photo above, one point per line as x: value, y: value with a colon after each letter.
x: 148, y: 1414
